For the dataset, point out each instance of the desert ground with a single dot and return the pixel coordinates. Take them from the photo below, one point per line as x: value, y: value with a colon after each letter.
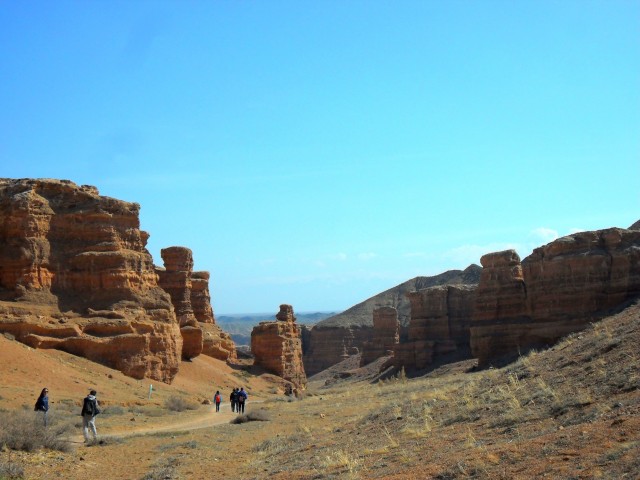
x: 569, y: 412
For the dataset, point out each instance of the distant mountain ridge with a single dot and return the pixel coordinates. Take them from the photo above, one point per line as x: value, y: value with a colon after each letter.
x: 362, y: 314
x: 240, y: 325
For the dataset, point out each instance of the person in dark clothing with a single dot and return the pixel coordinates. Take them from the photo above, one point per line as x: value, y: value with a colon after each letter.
x: 217, y: 399
x: 241, y: 399
x: 89, y: 411
x: 42, y: 404
x: 232, y: 399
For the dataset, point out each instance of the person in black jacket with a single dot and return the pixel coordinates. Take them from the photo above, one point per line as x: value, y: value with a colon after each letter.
x: 42, y: 404
x: 241, y: 397
x: 89, y: 411
x: 233, y: 398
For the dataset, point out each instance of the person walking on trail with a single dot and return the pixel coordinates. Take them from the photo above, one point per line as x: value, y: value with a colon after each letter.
x: 42, y: 404
x: 242, y: 398
x: 233, y: 399
x: 89, y: 411
x: 217, y: 399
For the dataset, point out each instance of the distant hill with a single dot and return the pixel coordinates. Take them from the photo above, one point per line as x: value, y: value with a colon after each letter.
x: 362, y: 313
x: 239, y: 326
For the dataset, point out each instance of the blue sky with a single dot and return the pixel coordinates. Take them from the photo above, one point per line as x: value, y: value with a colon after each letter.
x: 317, y: 153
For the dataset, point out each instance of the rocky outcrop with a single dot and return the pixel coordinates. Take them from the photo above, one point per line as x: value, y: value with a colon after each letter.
x: 386, y: 335
x: 175, y: 279
x: 277, y: 347
x: 560, y: 288
x: 330, y: 340
x: 329, y: 345
x: 201, y: 298
x: 217, y: 343
x: 75, y: 275
x: 440, y: 324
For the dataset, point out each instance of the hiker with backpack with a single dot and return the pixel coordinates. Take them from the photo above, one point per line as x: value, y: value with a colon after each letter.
x: 217, y: 399
x: 233, y: 399
x: 241, y: 399
x: 89, y: 411
x: 42, y: 404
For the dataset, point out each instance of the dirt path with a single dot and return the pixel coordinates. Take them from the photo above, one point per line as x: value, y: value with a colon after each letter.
x: 205, y: 419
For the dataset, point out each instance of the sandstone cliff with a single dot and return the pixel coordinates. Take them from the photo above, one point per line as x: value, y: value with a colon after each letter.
x: 75, y: 275
x: 440, y: 324
x: 386, y: 335
x: 331, y: 340
x: 277, y: 347
x: 558, y: 289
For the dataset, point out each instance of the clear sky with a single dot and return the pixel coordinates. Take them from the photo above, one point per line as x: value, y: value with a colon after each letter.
x: 317, y: 153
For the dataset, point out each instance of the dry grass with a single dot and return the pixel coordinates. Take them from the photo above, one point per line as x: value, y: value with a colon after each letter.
x: 176, y: 403
x: 24, y: 430
x: 572, y: 411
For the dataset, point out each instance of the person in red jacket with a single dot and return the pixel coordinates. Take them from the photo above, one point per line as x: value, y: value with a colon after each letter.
x: 217, y: 399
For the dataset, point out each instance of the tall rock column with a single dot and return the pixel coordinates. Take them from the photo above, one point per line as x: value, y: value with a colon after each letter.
x: 386, y: 334
x: 176, y: 280
x: 201, y: 298
x: 500, y: 316
x: 277, y: 347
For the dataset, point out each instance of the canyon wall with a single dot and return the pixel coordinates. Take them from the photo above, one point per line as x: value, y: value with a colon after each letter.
x: 560, y: 288
x: 386, y: 335
x: 277, y: 347
x: 75, y: 275
x: 331, y: 340
x: 440, y: 323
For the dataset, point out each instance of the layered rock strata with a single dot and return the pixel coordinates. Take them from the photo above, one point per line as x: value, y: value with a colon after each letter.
x: 440, y: 324
x: 330, y: 340
x: 386, y: 335
x: 175, y: 279
x: 75, y: 275
x: 560, y: 288
x: 277, y: 347
x: 201, y: 297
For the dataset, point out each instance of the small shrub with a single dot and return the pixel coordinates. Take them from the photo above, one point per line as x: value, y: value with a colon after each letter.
x: 179, y: 404
x: 23, y: 430
x: 11, y: 471
x: 165, y: 471
x: 257, y: 416
x: 113, y: 410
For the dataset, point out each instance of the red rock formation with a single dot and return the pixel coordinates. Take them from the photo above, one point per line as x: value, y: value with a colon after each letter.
x: 65, y: 248
x: 331, y: 344
x: 277, y: 347
x: 201, y: 298
x: 440, y: 323
x: 216, y: 343
x: 560, y: 288
x: 330, y: 340
x: 386, y: 335
x: 175, y: 279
